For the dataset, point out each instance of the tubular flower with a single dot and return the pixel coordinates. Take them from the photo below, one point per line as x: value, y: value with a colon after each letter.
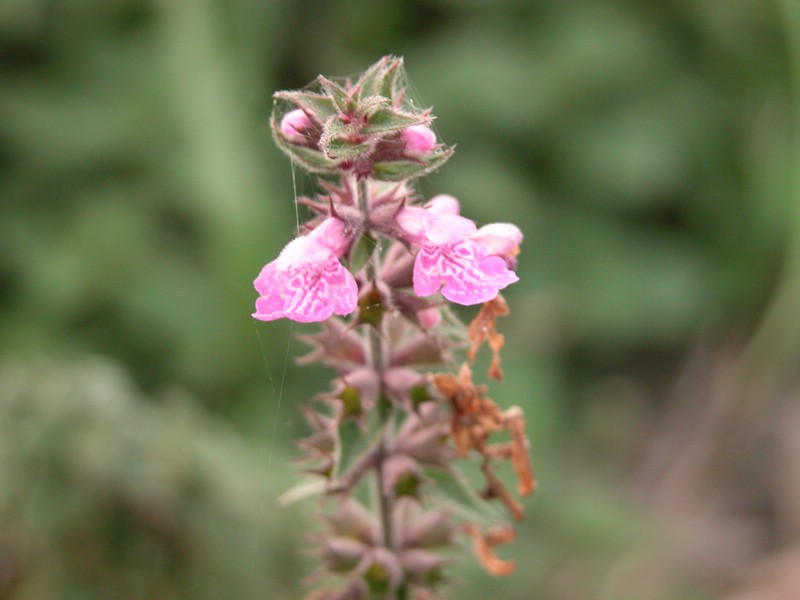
x: 307, y: 282
x: 455, y: 257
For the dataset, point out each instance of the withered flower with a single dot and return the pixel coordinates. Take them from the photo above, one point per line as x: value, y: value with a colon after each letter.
x: 483, y: 328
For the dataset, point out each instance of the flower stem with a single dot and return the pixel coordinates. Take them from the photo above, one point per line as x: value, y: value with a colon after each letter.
x: 377, y: 362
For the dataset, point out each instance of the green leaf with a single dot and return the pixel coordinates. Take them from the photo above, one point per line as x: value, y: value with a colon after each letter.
x: 310, y: 159
x: 371, y: 104
x: 387, y: 120
x: 335, y: 126
x: 342, y: 140
x: 341, y: 148
x: 361, y: 252
x: 399, y: 170
x: 389, y: 87
x: 380, y: 78
x: 340, y: 96
x: 319, y: 107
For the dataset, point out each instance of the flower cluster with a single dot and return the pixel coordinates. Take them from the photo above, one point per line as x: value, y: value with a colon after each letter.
x: 376, y: 266
x: 469, y: 265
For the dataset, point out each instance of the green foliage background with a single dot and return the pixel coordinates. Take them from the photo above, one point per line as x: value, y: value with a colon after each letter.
x: 647, y: 150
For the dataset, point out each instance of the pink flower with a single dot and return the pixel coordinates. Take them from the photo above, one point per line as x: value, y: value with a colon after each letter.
x: 410, y: 217
x: 419, y: 139
x: 294, y: 123
x: 307, y: 282
x: 455, y: 258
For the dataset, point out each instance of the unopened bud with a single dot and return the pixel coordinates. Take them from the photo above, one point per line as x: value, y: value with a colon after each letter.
x: 429, y: 317
x: 419, y: 139
x: 294, y: 124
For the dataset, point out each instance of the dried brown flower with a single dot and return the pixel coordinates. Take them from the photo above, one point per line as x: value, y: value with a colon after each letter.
x: 483, y: 328
x: 475, y: 417
x: 482, y: 546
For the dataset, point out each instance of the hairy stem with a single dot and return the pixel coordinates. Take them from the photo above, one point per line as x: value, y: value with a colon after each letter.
x: 378, y: 363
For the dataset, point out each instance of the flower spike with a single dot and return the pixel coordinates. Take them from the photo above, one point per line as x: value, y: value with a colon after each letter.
x: 377, y: 268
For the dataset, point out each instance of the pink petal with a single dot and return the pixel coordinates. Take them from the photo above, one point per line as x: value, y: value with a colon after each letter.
x: 331, y: 233
x: 446, y: 228
x: 462, y: 271
x: 412, y: 218
x: 326, y: 240
x: 499, y: 239
x: 443, y: 204
x: 302, y: 251
x: 307, y: 282
x: 305, y: 293
x: 409, y: 219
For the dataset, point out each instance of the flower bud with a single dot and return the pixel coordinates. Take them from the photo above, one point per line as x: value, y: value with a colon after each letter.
x: 429, y: 317
x: 418, y: 139
x: 293, y: 125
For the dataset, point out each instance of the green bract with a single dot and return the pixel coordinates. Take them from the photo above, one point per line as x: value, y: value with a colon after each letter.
x: 357, y: 126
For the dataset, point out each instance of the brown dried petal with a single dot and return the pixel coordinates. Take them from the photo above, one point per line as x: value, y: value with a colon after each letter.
x: 482, y: 546
x: 496, y: 489
x: 483, y: 328
x: 520, y: 451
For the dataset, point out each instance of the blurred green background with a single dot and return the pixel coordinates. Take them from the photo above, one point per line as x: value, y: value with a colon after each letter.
x: 647, y: 150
